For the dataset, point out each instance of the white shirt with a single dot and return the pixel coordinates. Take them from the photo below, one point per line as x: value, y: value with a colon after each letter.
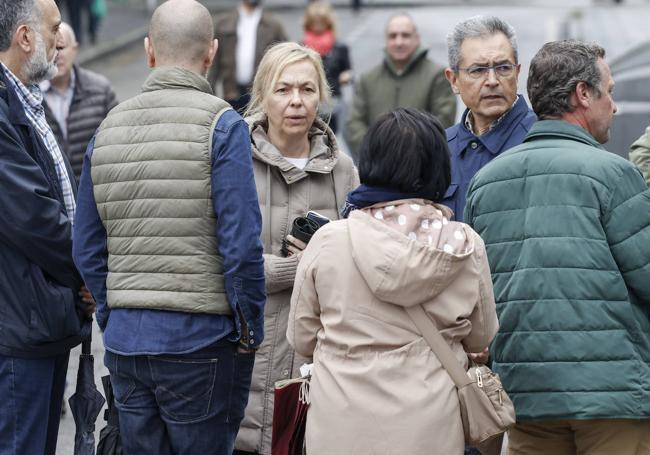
x: 246, y: 41
x: 59, y: 102
x: 300, y: 163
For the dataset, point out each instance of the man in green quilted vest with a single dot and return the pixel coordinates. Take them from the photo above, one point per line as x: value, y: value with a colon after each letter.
x: 168, y: 236
x: 567, y: 230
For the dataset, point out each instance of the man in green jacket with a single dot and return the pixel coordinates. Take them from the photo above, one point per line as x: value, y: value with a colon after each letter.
x: 567, y: 230
x: 406, y: 78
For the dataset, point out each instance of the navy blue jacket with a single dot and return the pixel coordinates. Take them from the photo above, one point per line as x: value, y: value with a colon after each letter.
x: 38, y: 279
x: 469, y: 152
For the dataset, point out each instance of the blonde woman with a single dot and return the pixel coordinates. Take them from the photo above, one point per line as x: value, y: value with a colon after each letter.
x: 298, y: 167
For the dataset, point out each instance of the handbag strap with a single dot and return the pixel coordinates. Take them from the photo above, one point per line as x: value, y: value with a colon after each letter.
x: 438, y: 345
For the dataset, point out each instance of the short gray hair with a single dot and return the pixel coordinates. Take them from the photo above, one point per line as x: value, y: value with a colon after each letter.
x: 14, y: 13
x: 556, y: 70
x: 478, y: 27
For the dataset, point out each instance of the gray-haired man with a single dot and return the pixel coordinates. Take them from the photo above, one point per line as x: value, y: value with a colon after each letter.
x: 483, y: 70
x: 567, y: 230
x: 39, y: 322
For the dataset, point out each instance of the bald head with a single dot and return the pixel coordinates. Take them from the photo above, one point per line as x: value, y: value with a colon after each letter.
x: 68, y: 34
x: 181, y: 33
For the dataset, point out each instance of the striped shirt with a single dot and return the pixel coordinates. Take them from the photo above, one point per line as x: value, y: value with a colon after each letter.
x: 32, y: 98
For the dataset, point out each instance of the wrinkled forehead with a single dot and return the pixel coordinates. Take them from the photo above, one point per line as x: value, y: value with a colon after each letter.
x: 493, y: 48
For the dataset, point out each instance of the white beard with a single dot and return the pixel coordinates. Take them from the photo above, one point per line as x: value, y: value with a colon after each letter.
x: 37, y: 68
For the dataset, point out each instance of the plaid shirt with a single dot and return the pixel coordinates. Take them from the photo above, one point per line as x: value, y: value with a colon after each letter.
x: 32, y: 98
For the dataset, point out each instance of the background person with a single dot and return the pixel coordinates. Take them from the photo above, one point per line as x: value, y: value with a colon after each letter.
x: 298, y: 167
x: 640, y: 154
x: 244, y: 34
x: 320, y: 34
x: 405, y: 78
x: 167, y: 235
x: 76, y: 102
x: 398, y: 249
x: 567, y: 230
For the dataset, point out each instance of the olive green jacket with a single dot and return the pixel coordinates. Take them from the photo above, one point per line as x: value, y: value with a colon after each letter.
x: 640, y: 154
x: 421, y: 85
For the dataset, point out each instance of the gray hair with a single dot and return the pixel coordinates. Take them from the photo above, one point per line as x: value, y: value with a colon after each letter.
x: 556, y: 70
x: 14, y: 13
x: 478, y: 27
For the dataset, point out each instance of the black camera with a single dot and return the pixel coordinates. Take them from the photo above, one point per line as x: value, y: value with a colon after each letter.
x: 304, y: 227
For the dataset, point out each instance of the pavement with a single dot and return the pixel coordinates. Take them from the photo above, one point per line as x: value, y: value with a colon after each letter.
x: 127, y: 20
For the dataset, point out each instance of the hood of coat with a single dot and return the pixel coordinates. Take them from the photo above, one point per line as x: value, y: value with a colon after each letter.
x: 408, y: 251
x: 323, y: 154
x: 419, y: 54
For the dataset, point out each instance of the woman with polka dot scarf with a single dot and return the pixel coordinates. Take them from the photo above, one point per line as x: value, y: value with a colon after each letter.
x: 376, y: 385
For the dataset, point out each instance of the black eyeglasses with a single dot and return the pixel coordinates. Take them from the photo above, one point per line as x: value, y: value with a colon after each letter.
x: 481, y: 72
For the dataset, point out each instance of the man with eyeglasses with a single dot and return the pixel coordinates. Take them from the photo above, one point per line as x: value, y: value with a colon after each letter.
x: 483, y: 70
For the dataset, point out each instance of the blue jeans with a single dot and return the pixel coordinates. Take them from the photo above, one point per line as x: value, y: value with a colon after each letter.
x: 31, y: 395
x: 181, y: 404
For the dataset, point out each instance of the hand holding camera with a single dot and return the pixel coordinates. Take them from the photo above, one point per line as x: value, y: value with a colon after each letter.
x: 302, y: 230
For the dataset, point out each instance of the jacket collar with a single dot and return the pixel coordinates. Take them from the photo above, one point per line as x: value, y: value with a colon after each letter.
x: 559, y: 129
x: 494, y: 139
x: 419, y: 55
x: 174, y: 77
x: 229, y: 24
x: 323, y: 155
x: 17, y: 114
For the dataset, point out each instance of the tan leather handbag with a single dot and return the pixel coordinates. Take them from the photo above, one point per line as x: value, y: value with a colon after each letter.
x: 485, y: 408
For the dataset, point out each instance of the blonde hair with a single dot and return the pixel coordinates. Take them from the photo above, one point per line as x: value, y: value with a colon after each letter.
x: 275, y: 60
x: 319, y: 10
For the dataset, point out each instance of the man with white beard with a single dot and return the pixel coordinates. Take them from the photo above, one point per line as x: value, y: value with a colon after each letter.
x: 43, y: 304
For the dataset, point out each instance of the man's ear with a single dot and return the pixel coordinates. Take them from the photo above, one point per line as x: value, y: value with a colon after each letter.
x: 25, y: 38
x: 582, y: 95
x: 452, y: 78
x: 212, y: 52
x: 151, y: 54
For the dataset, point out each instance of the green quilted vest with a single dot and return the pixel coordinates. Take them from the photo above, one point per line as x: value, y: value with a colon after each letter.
x: 151, y: 171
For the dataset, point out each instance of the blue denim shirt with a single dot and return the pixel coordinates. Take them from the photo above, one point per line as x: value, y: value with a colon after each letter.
x: 239, y: 223
x: 469, y: 153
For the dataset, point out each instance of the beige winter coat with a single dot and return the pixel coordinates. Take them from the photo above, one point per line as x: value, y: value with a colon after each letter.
x: 377, y: 388
x: 286, y: 192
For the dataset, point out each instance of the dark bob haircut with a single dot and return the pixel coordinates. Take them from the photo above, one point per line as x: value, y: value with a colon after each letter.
x: 406, y: 150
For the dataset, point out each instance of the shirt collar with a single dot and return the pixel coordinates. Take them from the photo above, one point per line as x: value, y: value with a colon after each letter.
x: 47, y: 86
x: 255, y: 16
x: 469, y: 117
x: 31, y: 95
x: 497, y: 135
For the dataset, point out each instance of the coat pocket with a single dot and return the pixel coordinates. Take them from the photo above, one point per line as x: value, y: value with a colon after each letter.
x: 52, y: 313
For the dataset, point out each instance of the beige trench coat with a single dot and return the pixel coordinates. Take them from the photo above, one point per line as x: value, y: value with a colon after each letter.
x: 377, y: 388
x: 286, y: 192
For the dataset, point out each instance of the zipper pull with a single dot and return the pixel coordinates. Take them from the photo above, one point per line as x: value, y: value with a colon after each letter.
x: 479, y: 378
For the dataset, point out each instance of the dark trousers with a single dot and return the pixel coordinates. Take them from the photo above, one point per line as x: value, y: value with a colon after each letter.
x: 76, y: 10
x: 181, y: 404
x: 31, y: 395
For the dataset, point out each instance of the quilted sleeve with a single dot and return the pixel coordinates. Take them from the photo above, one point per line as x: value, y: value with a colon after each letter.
x: 626, y: 222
